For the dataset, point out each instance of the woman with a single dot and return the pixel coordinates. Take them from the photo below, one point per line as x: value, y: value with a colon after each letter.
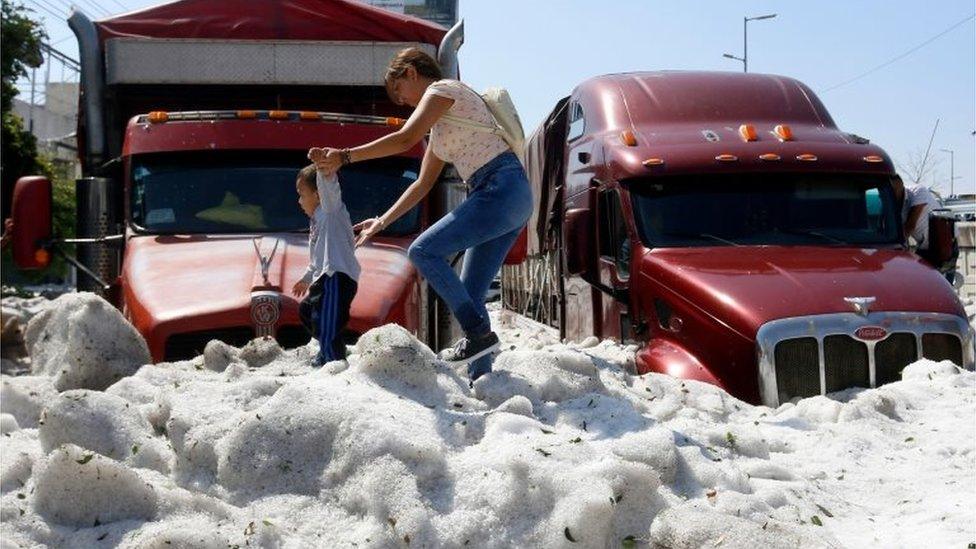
x: 486, y: 224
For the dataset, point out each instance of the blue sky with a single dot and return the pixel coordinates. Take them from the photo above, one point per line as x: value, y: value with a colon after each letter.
x: 540, y: 49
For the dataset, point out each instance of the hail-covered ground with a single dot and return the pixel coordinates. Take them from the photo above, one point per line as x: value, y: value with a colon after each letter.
x: 561, y: 446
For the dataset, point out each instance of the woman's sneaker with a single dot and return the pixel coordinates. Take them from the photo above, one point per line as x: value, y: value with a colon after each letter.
x: 466, y: 350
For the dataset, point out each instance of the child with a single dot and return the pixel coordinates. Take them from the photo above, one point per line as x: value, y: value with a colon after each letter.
x: 332, y: 274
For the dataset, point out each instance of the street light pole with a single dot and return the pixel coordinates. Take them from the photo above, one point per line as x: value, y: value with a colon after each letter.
x: 952, y: 170
x: 745, y: 44
x: 745, y: 40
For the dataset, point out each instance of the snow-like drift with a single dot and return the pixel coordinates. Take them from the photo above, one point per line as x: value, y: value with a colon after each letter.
x: 560, y: 446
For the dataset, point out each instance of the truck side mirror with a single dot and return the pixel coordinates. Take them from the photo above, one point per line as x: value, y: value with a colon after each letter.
x: 31, y: 214
x: 578, y: 241
x: 943, y: 250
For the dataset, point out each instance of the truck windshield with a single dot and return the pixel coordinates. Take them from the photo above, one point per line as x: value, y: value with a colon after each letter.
x: 232, y: 193
x: 765, y: 209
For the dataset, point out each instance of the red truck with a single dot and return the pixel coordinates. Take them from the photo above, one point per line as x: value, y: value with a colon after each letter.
x: 194, y: 120
x: 724, y: 223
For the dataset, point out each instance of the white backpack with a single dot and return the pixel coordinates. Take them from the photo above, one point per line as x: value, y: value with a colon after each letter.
x: 507, y: 125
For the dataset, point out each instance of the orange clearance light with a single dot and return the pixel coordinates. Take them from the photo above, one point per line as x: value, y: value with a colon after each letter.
x: 628, y: 138
x: 278, y: 115
x: 748, y: 132
x: 42, y: 256
x: 247, y: 114
x: 727, y: 158
x: 806, y: 157
x: 873, y: 158
x: 393, y: 121
x: 783, y: 132
x: 157, y: 117
x: 309, y: 115
x: 769, y: 157
x: 651, y: 162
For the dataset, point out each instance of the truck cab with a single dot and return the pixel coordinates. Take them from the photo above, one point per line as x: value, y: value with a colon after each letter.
x: 724, y: 223
x: 191, y: 138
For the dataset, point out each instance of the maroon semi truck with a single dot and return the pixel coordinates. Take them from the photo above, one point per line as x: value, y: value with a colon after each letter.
x: 194, y: 120
x: 724, y: 223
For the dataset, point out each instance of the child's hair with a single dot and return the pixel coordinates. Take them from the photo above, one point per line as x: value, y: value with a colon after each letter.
x: 307, y: 176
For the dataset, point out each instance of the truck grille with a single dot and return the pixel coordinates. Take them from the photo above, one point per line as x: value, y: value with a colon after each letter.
x: 188, y: 345
x: 806, y: 356
x: 845, y: 363
x: 798, y: 368
x: 942, y: 347
x: 892, y: 355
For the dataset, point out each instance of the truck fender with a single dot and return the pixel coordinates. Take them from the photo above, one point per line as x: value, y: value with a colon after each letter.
x: 668, y: 357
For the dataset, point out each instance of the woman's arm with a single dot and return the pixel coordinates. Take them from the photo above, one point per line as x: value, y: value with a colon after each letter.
x: 430, y: 170
x: 914, y: 214
x: 423, y: 118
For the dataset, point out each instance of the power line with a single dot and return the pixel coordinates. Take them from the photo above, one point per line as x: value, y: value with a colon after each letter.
x: 41, y: 6
x: 902, y: 56
x: 121, y: 5
x: 96, y: 6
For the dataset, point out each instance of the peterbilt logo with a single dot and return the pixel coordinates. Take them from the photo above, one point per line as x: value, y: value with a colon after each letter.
x: 265, y: 311
x: 861, y: 305
x: 870, y: 333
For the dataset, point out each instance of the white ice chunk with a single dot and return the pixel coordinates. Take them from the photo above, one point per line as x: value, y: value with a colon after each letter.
x: 84, y: 343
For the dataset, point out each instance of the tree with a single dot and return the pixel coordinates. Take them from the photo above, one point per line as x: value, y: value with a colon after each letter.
x: 20, y: 49
x: 920, y: 163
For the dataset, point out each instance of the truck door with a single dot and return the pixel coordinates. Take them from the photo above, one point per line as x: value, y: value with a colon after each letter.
x: 613, y: 266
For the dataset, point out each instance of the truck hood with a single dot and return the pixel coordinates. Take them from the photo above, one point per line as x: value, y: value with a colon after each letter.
x: 745, y: 287
x: 184, y: 279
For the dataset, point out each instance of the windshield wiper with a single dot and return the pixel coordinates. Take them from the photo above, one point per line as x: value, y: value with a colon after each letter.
x: 810, y: 233
x: 703, y: 236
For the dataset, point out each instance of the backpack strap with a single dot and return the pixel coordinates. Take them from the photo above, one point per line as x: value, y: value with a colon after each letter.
x: 471, y: 124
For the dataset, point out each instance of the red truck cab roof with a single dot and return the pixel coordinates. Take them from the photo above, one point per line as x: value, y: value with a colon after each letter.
x: 673, y: 122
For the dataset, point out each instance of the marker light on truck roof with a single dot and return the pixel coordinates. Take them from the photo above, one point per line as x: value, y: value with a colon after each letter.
x: 247, y: 114
x: 157, y: 117
x: 783, y: 132
x: 769, y: 157
x: 628, y: 138
x: 873, y: 158
x: 278, y: 115
x: 748, y: 132
x: 806, y: 157
x: 309, y: 115
x: 393, y: 121
x: 727, y: 158
x: 651, y: 162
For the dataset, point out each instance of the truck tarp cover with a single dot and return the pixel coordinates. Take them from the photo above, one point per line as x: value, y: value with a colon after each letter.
x: 271, y: 20
x: 544, y: 167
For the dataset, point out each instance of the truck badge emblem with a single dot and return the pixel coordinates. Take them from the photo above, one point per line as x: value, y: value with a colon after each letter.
x: 861, y: 305
x: 265, y: 311
x: 711, y: 136
x: 265, y: 261
x: 870, y: 333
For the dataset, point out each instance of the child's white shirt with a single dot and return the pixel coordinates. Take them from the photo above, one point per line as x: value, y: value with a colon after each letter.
x: 331, y: 242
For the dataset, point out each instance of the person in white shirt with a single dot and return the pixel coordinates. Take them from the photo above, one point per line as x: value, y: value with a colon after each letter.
x: 331, y: 279
x: 917, y: 202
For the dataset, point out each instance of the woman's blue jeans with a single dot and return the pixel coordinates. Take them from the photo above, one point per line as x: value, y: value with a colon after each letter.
x: 486, y: 224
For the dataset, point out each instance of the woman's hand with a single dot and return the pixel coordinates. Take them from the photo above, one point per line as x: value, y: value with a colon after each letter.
x: 366, y: 229
x: 326, y: 159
